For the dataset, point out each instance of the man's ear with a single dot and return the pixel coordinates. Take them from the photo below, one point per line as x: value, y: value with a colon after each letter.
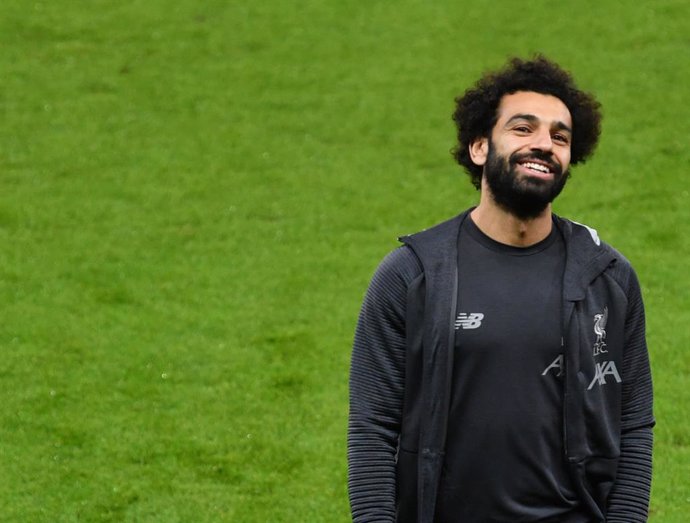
x: 479, y: 151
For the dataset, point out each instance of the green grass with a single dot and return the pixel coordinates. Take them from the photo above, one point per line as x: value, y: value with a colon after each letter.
x: 193, y: 197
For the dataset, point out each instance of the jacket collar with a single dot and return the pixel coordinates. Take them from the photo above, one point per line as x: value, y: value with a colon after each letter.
x: 586, y: 257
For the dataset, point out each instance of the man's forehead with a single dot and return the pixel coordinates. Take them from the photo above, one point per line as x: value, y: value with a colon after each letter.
x: 545, y: 107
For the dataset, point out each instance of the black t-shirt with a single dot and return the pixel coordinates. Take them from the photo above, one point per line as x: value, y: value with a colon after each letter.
x: 505, y: 457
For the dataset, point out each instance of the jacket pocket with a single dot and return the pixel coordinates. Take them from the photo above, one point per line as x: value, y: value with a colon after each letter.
x: 600, y: 474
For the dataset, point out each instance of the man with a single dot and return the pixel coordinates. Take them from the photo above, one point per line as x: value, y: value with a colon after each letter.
x: 500, y: 370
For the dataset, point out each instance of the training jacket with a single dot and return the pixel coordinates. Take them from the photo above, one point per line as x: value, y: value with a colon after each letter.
x: 401, y: 376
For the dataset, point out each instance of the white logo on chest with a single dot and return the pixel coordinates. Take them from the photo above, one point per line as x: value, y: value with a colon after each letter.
x: 556, y: 365
x: 472, y: 320
x: 600, y: 330
x: 603, y: 369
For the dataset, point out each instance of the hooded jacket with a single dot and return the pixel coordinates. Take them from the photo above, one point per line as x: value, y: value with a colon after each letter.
x: 401, y: 379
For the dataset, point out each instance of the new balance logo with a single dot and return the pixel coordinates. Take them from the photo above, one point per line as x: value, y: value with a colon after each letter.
x: 472, y: 320
x: 603, y: 369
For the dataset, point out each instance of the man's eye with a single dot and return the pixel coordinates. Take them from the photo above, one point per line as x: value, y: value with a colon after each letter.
x: 560, y: 138
x: 522, y: 129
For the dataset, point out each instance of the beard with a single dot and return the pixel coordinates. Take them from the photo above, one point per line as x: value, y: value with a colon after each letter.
x: 525, y: 197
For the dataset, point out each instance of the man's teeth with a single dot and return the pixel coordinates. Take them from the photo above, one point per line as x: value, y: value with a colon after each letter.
x: 536, y: 167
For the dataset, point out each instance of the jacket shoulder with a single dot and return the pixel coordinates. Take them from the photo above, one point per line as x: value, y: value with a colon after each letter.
x: 397, y: 269
x: 435, y: 244
x: 587, y: 241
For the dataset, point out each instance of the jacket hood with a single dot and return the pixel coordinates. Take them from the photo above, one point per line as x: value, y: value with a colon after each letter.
x: 587, y: 255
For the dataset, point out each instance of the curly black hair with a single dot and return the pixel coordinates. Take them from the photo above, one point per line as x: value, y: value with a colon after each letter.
x: 476, y: 111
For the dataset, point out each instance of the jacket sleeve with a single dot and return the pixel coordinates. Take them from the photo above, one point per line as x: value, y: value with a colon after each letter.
x: 629, y: 498
x: 377, y: 377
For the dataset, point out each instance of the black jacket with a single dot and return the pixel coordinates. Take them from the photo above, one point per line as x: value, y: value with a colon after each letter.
x: 402, y: 372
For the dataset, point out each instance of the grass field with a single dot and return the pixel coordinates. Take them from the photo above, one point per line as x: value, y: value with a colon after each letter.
x: 193, y: 196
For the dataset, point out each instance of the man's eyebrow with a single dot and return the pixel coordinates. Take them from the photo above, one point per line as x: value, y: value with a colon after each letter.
x: 533, y: 119
x: 563, y: 127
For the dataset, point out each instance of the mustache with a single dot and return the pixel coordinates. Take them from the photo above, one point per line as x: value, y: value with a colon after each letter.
x: 541, y: 156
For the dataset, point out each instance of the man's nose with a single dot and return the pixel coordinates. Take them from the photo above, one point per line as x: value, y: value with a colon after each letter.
x: 542, y: 140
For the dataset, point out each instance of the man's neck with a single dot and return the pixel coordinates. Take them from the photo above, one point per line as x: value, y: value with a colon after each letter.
x: 504, y: 227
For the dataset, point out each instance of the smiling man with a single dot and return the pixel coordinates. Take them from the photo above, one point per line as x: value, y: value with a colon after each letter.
x: 500, y: 370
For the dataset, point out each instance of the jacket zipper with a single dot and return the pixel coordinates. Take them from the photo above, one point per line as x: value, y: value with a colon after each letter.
x: 566, y: 373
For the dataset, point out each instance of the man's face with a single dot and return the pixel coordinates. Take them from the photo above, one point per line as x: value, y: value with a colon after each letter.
x: 528, y: 153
